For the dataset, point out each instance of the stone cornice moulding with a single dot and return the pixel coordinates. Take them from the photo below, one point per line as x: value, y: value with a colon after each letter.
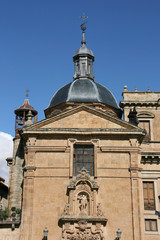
x: 150, y: 158
x: 47, y: 148
x: 138, y: 103
x: 38, y: 131
x: 120, y: 149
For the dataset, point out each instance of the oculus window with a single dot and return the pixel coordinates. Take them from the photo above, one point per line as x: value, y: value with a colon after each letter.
x: 83, y: 157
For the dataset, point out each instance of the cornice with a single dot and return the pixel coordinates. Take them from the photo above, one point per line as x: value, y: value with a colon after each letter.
x: 36, y: 131
x: 139, y: 103
x: 150, y: 158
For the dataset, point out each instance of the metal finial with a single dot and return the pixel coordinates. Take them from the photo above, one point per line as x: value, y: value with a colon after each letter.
x: 84, y: 17
x: 27, y: 91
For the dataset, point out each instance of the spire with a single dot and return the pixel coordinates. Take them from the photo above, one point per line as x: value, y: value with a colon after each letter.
x: 83, y: 57
x: 83, y: 28
x: 83, y: 42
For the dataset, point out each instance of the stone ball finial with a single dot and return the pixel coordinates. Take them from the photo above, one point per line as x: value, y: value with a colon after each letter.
x: 125, y: 88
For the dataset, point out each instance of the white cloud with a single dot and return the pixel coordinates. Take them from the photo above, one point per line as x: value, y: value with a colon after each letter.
x: 6, y: 150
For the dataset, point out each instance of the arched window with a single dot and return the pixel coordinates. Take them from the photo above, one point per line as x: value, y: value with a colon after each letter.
x: 83, y: 157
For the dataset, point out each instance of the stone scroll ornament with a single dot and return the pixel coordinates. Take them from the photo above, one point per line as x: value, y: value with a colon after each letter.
x: 82, y: 218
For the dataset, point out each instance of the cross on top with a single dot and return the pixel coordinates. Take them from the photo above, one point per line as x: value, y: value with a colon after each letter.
x: 27, y: 91
x: 84, y: 17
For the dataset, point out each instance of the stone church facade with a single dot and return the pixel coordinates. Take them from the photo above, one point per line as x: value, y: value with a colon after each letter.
x: 83, y: 172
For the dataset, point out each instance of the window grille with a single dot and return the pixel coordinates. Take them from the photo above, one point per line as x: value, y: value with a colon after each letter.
x: 83, y: 157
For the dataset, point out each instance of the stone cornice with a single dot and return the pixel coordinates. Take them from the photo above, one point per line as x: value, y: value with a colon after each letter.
x: 47, y: 148
x: 136, y: 133
x: 119, y: 149
x: 37, y: 131
x: 138, y: 103
x: 150, y: 158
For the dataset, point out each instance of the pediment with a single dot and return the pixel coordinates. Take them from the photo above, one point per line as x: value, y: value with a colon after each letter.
x: 83, y: 117
x: 145, y: 114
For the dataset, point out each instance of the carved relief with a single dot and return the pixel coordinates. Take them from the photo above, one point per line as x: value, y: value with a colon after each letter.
x: 82, y: 231
x: 82, y: 218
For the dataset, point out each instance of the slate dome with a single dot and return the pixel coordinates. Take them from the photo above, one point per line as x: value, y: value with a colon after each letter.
x: 83, y: 50
x: 83, y: 90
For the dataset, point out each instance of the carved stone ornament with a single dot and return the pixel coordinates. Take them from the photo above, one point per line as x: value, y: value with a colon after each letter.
x: 83, y: 177
x: 82, y: 218
x: 82, y: 231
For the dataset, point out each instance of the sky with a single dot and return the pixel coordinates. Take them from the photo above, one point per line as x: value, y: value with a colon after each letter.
x: 39, y: 37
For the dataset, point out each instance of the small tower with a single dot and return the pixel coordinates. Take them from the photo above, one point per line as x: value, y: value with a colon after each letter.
x: 22, y: 114
x: 83, y: 58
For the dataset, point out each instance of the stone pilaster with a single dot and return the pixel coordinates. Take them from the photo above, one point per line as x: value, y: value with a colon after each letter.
x: 136, y: 195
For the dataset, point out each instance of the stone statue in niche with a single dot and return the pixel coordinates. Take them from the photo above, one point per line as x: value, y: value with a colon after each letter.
x: 82, y: 218
x: 83, y: 203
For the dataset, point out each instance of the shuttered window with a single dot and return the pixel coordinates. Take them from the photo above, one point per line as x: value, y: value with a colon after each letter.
x: 83, y: 157
x: 151, y: 225
x: 148, y: 193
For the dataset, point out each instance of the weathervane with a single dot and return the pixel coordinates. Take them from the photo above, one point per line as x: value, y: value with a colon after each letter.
x: 27, y: 91
x: 84, y: 17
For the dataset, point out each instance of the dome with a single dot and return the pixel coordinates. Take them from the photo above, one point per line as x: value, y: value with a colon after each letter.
x: 83, y: 90
x: 83, y: 51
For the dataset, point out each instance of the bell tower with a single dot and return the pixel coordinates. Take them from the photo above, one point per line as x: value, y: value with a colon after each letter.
x: 25, y: 115
x: 22, y: 114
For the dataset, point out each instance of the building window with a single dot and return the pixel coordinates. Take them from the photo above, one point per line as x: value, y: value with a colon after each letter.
x: 151, y: 225
x: 145, y: 124
x: 148, y: 193
x: 83, y: 157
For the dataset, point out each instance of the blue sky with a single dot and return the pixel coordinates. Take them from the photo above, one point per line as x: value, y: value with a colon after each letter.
x: 38, y: 39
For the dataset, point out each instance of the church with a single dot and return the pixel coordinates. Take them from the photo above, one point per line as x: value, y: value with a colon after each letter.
x: 91, y: 169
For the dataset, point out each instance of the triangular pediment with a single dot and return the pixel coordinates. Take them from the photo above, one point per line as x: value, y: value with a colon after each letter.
x: 83, y: 117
